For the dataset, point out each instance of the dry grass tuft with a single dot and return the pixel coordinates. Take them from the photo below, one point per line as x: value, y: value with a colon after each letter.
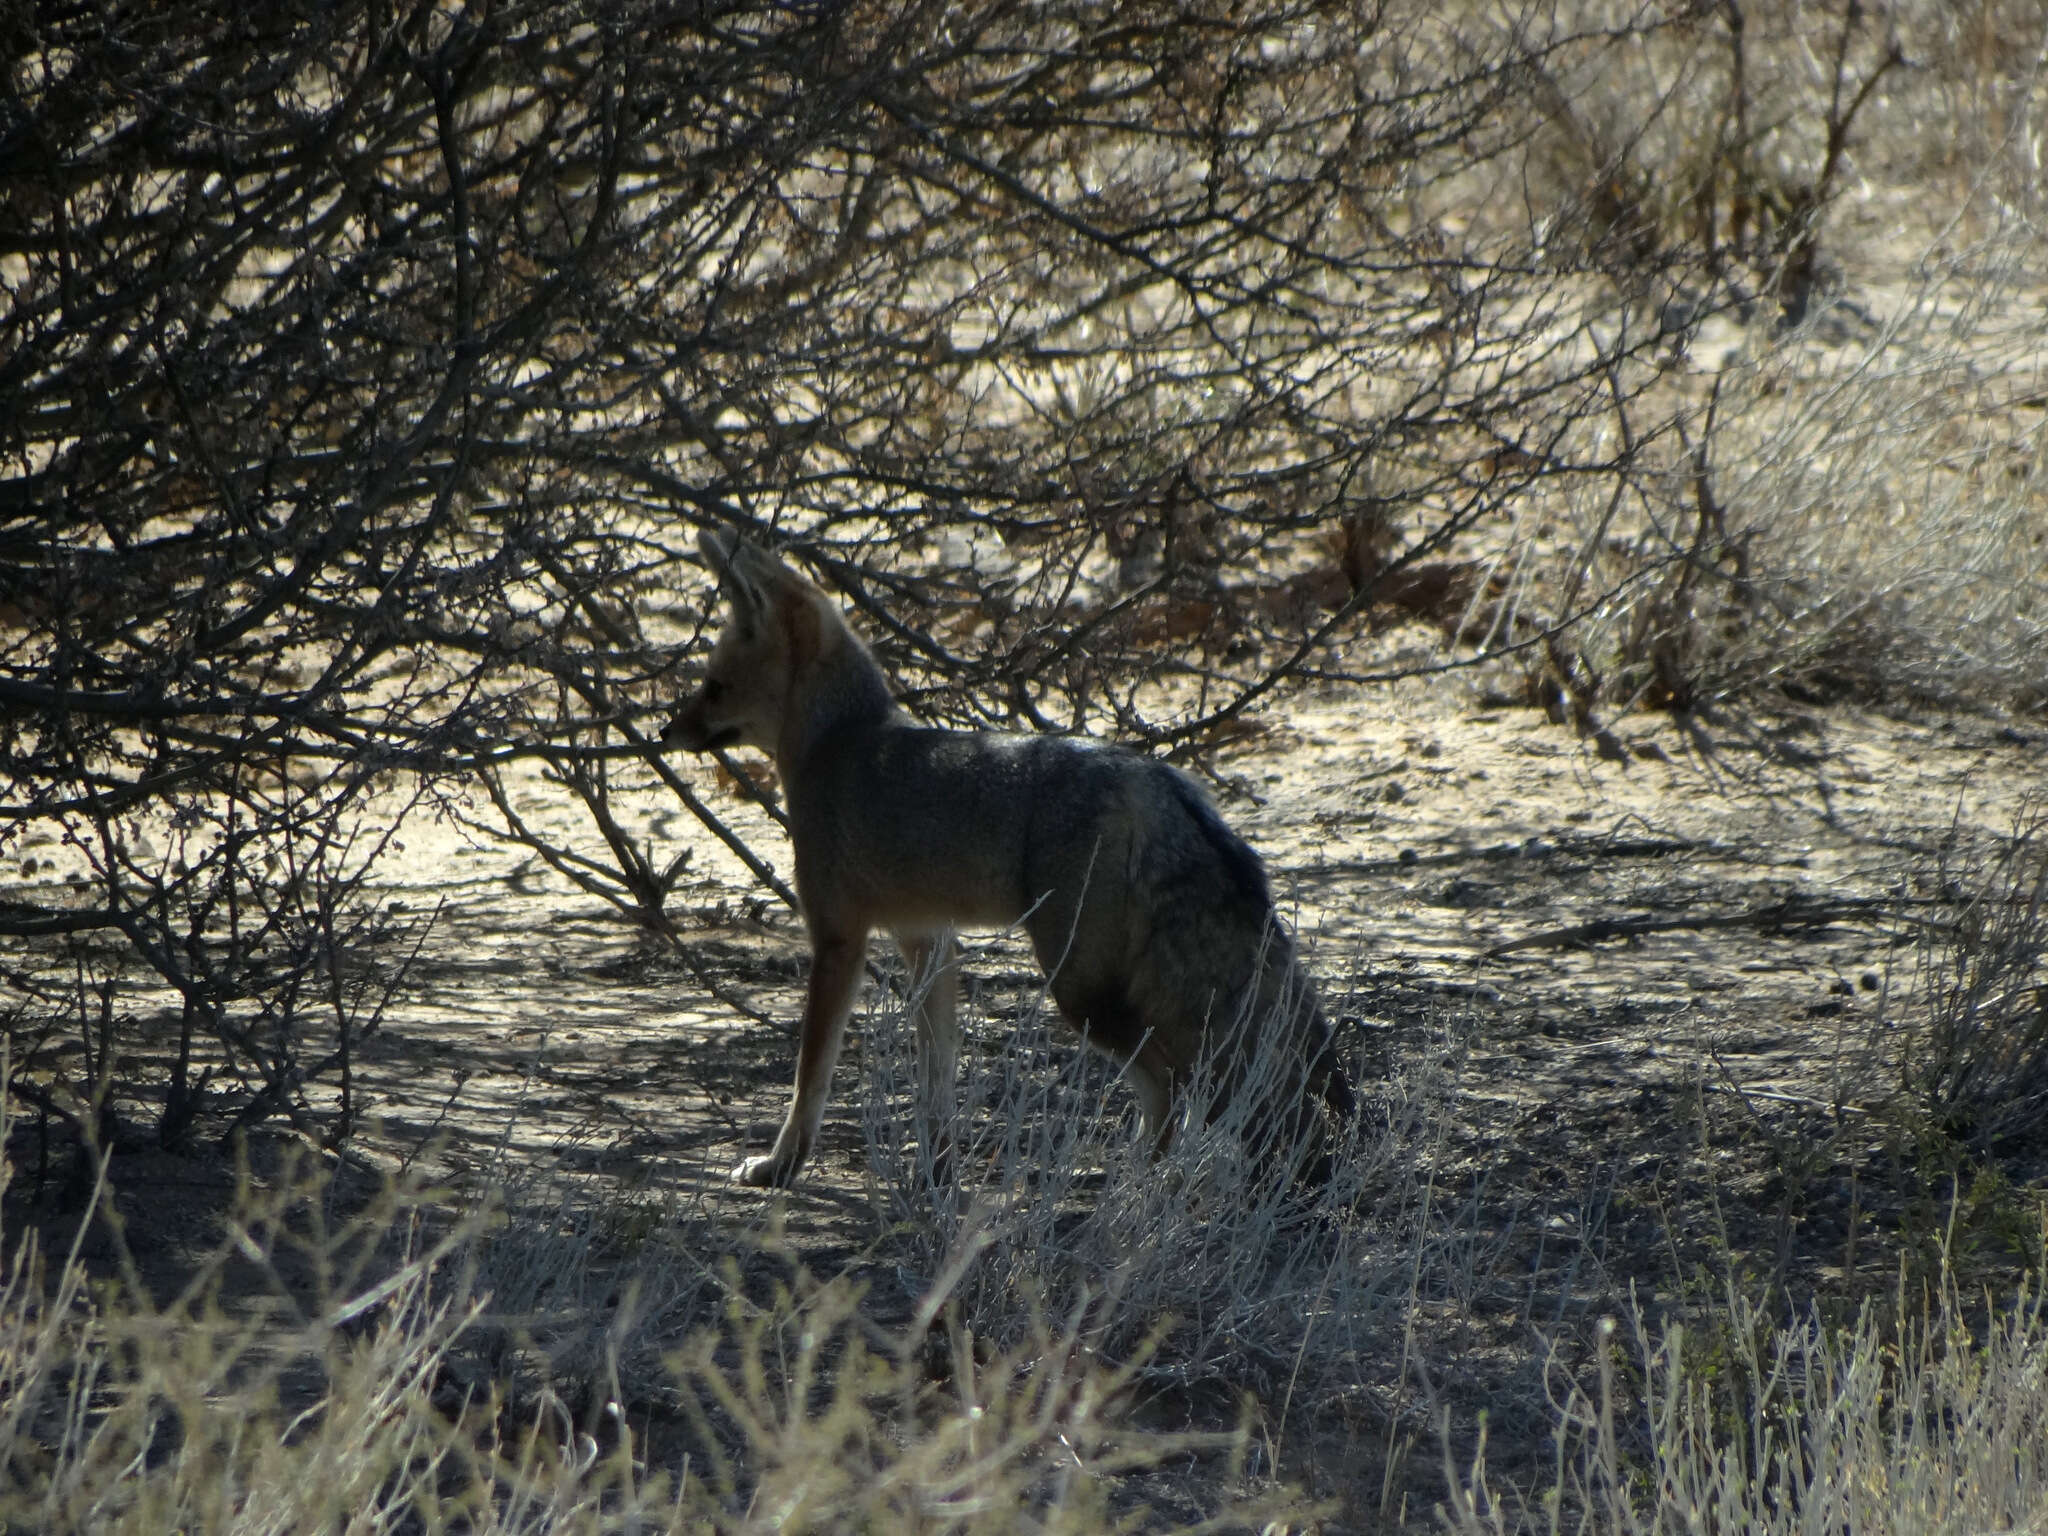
x: 1929, y: 1416
x: 1970, y: 1051
x: 397, y: 1391
x: 1206, y: 1266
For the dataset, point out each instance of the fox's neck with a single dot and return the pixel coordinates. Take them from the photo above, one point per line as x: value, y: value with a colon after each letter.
x: 840, y: 688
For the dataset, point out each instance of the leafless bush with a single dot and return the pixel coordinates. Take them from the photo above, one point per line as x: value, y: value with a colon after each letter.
x: 371, y: 368
x: 1725, y: 136
x: 370, y: 371
x: 256, y: 912
x: 1829, y: 485
x: 1840, y: 521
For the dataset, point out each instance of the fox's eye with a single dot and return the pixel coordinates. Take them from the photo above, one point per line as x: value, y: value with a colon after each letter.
x: 713, y: 690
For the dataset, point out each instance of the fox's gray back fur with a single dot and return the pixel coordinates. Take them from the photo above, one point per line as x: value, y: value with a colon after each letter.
x: 1152, y: 919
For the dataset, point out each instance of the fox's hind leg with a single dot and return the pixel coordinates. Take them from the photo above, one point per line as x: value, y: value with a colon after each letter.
x: 1151, y: 1079
x: 933, y: 960
x: 1155, y: 1077
x: 836, y: 963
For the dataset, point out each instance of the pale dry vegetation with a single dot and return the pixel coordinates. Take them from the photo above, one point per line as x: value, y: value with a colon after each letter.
x: 367, y: 372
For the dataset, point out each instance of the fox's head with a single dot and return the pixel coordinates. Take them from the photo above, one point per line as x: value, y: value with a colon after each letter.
x: 778, y: 626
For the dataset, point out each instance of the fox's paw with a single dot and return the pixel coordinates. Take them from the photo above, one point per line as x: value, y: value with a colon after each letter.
x: 762, y: 1173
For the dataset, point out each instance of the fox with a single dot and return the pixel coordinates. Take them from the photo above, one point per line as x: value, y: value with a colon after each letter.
x: 1153, y: 921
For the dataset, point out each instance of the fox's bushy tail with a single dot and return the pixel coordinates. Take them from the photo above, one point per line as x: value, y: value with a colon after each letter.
x: 1215, y: 975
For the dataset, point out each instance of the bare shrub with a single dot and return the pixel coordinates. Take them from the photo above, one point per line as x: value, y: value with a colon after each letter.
x: 1848, y: 520
x: 1830, y: 485
x: 239, y: 951
x: 371, y: 372
x: 1723, y: 139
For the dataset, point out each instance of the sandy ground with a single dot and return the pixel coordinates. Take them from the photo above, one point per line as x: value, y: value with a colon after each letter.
x: 1627, y: 1110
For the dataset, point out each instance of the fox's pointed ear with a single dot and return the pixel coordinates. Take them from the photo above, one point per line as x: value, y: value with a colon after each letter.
x: 739, y: 567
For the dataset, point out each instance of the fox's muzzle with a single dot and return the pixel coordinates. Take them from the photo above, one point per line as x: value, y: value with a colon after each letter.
x: 693, y: 733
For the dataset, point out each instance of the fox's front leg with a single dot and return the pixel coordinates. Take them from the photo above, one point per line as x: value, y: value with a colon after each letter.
x: 835, y: 973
